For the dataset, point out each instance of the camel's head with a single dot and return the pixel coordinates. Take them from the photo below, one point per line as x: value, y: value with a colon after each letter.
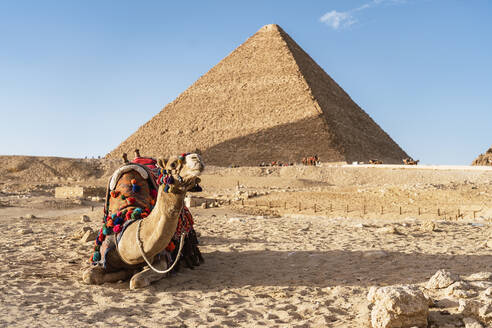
x: 184, y: 170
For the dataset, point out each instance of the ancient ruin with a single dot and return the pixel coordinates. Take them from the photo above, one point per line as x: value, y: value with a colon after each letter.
x: 266, y: 101
x: 484, y: 159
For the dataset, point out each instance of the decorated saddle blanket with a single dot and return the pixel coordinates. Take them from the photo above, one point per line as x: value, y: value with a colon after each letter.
x: 131, y: 196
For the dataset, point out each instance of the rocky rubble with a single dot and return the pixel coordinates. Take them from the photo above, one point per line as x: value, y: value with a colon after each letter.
x: 484, y: 159
x: 449, y: 301
x: 441, y: 279
x: 472, y: 294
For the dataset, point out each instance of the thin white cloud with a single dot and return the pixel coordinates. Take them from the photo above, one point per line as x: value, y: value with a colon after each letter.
x: 337, y: 19
x: 343, y: 19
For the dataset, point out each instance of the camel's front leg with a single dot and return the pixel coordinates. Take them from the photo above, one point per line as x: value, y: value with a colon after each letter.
x: 97, y: 275
x: 145, y: 277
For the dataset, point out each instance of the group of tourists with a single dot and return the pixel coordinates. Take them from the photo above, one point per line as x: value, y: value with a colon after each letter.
x: 275, y: 163
x: 312, y: 160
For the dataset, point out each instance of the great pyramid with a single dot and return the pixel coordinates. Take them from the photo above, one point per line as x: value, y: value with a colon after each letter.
x: 267, y: 100
x: 484, y: 159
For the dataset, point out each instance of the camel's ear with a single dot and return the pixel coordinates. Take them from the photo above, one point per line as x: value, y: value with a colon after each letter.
x: 162, y: 162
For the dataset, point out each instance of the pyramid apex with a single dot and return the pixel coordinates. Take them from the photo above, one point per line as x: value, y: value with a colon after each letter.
x: 270, y: 27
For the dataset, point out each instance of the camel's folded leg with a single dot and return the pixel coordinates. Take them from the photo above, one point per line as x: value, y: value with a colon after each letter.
x: 145, y: 277
x: 96, y: 275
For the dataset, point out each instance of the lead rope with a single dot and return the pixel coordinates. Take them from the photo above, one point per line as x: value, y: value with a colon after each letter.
x: 140, y: 246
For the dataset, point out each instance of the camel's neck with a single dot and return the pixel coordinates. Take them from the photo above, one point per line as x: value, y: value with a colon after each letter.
x: 161, y: 224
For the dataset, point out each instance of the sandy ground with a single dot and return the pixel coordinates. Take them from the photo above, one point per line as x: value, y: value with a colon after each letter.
x: 290, y: 269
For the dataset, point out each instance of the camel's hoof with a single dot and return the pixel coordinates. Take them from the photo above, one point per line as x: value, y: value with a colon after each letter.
x: 138, y: 282
x: 93, y: 276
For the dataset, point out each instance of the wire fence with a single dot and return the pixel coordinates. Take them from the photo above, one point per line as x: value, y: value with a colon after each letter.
x: 351, y: 208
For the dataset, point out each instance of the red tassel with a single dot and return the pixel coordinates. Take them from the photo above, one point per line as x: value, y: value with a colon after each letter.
x: 170, y: 247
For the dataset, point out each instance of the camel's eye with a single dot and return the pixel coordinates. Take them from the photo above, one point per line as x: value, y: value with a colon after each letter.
x: 173, y: 165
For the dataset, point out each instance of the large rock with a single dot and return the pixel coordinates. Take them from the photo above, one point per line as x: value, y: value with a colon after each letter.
x: 460, y: 289
x: 480, y: 276
x: 398, y: 306
x: 471, y: 323
x: 80, y: 232
x: 84, y: 218
x: 479, y: 309
x: 89, y: 235
x: 428, y: 226
x: 441, y: 279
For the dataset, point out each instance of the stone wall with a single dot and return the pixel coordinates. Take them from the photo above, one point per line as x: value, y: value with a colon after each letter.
x: 79, y: 192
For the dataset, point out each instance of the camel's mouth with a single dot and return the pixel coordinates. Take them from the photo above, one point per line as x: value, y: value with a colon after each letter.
x: 193, y: 174
x: 197, y: 171
x: 194, y: 164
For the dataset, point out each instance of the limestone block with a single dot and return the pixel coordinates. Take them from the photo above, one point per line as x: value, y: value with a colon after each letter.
x: 441, y: 279
x: 398, y: 306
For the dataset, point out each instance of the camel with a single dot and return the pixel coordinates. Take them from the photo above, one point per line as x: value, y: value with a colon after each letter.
x: 149, y: 238
x: 375, y: 161
x: 410, y: 161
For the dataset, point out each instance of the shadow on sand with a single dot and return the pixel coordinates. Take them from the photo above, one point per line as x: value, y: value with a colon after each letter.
x: 319, y: 269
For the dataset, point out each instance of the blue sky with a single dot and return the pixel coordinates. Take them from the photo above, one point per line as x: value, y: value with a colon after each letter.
x: 78, y: 77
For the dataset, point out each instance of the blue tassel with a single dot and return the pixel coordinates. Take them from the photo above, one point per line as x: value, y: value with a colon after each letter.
x: 96, y: 257
x: 135, y: 188
x: 166, y: 188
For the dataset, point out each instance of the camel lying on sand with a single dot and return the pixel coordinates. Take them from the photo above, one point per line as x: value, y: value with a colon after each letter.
x: 410, y: 161
x: 147, y: 237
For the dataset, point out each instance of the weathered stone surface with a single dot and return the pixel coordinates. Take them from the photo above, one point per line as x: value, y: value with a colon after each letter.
x: 460, y: 289
x: 471, y: 323
x: 80, y: 232
x: 250, y: 107
x: 481, y: 284
x: 441, y: 279
x: 25, y: 231
x: 78, y: 192
x: 489, y: 243
x: 69, y: 192
x: 480, y: 276
x: 428, y: 226
x: 398, y: 306
x: 89, y: 235
x: 85, y: 218
x: 484, y: 159
x: 477, y: 309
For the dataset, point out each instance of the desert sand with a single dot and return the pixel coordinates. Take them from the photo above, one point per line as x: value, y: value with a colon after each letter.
x: 267, y: 263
